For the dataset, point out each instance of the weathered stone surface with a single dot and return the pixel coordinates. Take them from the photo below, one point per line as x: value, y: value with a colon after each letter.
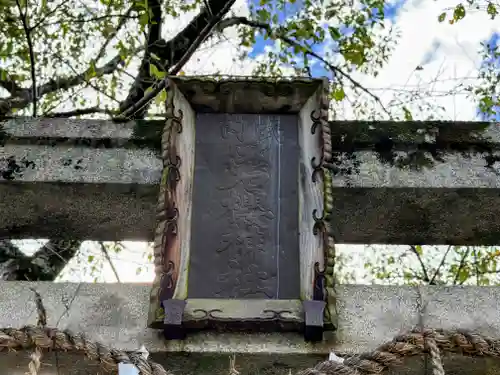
x: 114, y: 168
x: 455, y: 202
x: 245, y: 240
x: 116, y: 315
x: 365, y: 134
x: 456, y: 171
x: 78, y: 179
x: 27, y: 130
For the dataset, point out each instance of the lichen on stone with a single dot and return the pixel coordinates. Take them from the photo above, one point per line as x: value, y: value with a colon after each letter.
x: 11, y: 168
x: 410, y: 145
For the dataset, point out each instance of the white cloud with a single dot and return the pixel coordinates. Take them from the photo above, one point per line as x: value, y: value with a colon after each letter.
x: 456, y: 54
x: 218, y: 55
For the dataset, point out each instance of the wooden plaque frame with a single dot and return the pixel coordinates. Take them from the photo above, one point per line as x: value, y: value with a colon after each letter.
x: 308, y: 98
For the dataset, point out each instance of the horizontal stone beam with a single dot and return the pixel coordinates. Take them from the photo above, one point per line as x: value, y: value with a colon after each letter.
x: 83, y: 179
x: 96, y: 133
x: 116, y: 315
x: 361, y: 133
x: 443, y: 134
x: 98, y: 180
x: 454, y: 202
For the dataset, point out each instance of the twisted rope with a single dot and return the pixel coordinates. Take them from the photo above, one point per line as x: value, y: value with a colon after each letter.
x: 36, y: 356
x: 416, y: 342
x: 53, y: 339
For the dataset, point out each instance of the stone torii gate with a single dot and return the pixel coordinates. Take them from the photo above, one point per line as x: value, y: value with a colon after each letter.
x: 255, y: 185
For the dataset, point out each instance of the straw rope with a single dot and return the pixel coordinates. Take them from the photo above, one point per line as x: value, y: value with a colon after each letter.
x: 419, y: 341
x: 430, y: 342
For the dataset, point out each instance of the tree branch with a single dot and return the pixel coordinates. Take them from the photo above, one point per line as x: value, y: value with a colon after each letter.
x: 460, y: 266
x: 145, y: 100
x: 168, y: 53
x: 80, y: 112
x: 108, y: 258
x: 8, y: 83
x: 27, y: 31
x: 422, y: 265
x: 275, y: 34
x: 24, y: 98
x: 51, y: 12
x: 66, y: 83
x: 121, y: 23
x: 440, y: 265
x: 143, y: 77
x: 51, y: 258
x: 9, y: 251
x: 88, y: 83
x: 45, y: 265
x: 93, y: 19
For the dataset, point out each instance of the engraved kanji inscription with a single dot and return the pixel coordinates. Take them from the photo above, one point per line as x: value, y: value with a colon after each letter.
x: 245, y: 213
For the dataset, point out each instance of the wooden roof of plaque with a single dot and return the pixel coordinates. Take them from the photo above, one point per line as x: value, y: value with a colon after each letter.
x: 247, y: 94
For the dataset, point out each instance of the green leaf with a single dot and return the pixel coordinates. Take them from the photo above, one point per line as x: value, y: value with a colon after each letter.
x: 355, y: 57
x: 91, y: 72
x: 463, y: 274
x: 408, y: 117
x: 492, y: 10
x: 161, y: 97
x: 458, y: 12
x: 339, y: 94
x: 484, y: 281
x: 153, y: 70
x: 334, y: 33
x: 419, y: 250
x: 144, y: 19
x: 442, y: 17
x: 263, y: 15
x: 90, y: 258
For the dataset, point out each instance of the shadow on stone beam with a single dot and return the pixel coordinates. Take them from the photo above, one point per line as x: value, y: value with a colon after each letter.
x: 53, y: 170
x: 84, y: 179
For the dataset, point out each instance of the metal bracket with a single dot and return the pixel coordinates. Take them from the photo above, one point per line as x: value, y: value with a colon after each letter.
x: 172, y: 323
x: 314, y: 320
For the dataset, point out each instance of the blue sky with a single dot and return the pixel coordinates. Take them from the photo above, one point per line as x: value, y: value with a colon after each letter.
x: 492, y: 42
x: 392, y: 12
